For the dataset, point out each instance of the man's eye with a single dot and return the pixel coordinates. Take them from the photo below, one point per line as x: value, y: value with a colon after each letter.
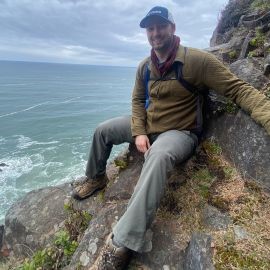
x: 162, y: 26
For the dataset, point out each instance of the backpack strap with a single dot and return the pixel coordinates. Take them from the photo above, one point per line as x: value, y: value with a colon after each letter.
x: 146, y: 80
x: 178, y: 67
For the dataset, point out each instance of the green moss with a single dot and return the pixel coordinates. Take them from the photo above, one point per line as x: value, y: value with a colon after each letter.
x: 101, y: 196
x: 77, y: 221
x: 261, y: 5
x: 232, y: 54
x: 231, y: 107
x: 229, y: 172
x: 251, y: 54
x: 247, y: 210
x: 122, y: 164
x: 219, y: 202
x: 212, y: 148
x: 258, y: 40
x: 170, y: 203
x: 204, y: 180
x: 227, y: 257
x: 202, y: 175
x: 79, y: 266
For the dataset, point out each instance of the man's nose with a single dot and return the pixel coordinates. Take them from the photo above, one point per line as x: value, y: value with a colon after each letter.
x: 156, y: 30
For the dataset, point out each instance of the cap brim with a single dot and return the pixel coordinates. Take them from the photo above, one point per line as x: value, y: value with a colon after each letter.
x: 146, y: 21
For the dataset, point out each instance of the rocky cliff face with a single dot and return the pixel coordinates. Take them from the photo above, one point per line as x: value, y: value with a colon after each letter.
x: 212, y: 215
x: 242, y: 41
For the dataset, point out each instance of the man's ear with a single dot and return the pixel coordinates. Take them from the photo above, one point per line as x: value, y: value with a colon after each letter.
x: 173, y: 27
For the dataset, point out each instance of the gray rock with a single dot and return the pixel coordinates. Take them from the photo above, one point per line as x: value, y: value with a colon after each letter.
x: 95, y: 236
x: 199, y: 253
x: 32, y: 222
x: 251, y: 71
x: 166, y: 250
x: 250, y: 17
x: 240, y: 233
x: 248, y: 146
x: 216, y: 38
x: 123, y: 189
x: 252, y: 21
x: 246, y: 45
x: 215, y: 219
x: 219, y: 50
x: 163, y: 249
x: 3, y: 164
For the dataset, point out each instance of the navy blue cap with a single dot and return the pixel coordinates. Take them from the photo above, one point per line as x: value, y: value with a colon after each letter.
x: 161, y: 13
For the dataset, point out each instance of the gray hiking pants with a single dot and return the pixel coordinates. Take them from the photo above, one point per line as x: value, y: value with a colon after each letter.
x: 167, y: 149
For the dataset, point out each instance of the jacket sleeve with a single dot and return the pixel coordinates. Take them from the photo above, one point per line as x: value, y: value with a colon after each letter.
x: 138, y: 119
x: 223, y: 81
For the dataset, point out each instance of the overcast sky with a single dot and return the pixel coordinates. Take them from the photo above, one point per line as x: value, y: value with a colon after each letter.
x: 96, y: 32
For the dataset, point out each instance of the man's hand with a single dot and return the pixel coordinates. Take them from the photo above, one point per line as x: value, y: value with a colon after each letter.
x: 142, y: 143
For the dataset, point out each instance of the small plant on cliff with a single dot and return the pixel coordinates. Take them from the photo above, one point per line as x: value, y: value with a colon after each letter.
x: 77, y: 221
x: 232, y: 54
x: 261, y: 5
x: 55, y: 256
x: 121, y: 163
x: 58, y: 254
x: 258, y: 40
x: 231, y: 107
x: 251, y: 54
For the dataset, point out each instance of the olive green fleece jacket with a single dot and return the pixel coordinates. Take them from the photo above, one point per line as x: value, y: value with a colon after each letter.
x: 173, y: 107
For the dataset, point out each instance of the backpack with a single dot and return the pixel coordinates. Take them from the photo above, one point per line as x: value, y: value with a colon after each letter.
x: 202, y: 94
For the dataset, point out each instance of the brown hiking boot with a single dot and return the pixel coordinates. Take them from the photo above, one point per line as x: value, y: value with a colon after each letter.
x: 112, y: 257
x: 85, y: 187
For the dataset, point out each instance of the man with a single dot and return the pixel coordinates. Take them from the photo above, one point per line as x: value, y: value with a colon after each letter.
x: 165, y: 126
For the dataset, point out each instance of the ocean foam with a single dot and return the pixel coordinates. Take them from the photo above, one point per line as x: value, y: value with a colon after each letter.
x: 15, y: 168
x: 24, y: 142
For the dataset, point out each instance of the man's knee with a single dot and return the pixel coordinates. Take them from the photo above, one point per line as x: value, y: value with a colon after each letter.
x: 103, y: 128
x: 158, y: 155
x: 116, y: 130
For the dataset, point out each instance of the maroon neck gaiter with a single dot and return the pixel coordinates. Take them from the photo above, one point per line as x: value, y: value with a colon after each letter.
x: 171, y: 57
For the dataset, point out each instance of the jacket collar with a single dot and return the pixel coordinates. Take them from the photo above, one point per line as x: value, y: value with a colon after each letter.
x: 180, y: 57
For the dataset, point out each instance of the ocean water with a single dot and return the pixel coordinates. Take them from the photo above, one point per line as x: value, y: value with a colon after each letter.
x: 48, y: 113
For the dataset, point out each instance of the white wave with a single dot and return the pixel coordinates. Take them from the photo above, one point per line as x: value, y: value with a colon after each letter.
x: 17, y: 166
x: 69, y: 100
x: 37, y: 159
x: 25, y: 142
x: 51, y: 148
x: 39, y: 105
x: 71, y: 173
x: 15, y: 84
x: 24, y: 110
x: 54, y: 164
